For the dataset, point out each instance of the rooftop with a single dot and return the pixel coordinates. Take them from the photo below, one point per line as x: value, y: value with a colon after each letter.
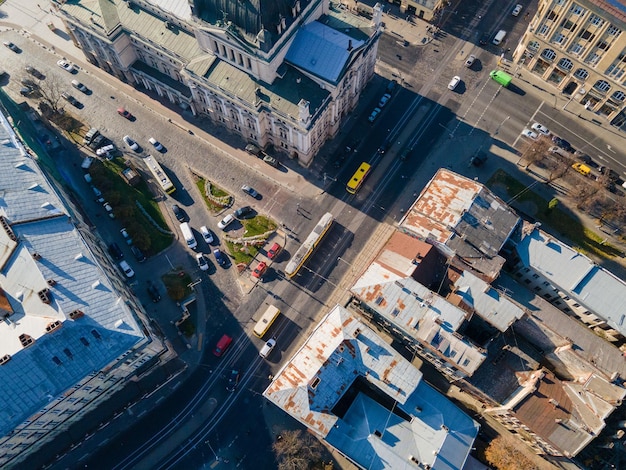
x: 62, y: 317
x: 598, y: 290
x: 465, y: 217
x: 355, y: 391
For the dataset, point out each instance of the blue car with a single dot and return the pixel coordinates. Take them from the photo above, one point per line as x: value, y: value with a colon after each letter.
x: 220, y: 257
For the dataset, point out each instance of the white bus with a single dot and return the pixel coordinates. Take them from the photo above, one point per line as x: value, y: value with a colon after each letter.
x: 159, y: 174
x: 188, y: 235
x: 264, y: 324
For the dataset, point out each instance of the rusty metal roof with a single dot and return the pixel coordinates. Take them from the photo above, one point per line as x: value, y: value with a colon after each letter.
x: 382, y: 424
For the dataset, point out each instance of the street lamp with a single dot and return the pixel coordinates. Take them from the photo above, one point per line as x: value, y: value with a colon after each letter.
x: 217, y: 459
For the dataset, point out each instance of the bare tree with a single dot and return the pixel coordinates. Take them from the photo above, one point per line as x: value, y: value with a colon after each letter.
x: 536, y: 151
x: 560, y: 168
x: 582, y: 195
x: 504, y: 455
x: 296, y: 450
x: 51, y: 90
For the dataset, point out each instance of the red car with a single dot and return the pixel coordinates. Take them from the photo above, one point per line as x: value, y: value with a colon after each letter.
x: 259, y: 270
x: 222, y: 345
x: 273, y: 251
x: 122, y: 112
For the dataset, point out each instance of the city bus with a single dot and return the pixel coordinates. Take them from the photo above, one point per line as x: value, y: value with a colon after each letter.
x: 303, y: 253
x: 358, y: 178
x: 501, y: 77
x: 159, y: 175
x: 264, y: 324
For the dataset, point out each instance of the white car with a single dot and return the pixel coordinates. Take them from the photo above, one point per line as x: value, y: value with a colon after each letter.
x: 516, y: 11
x: 383, y: 100
x: 156, y: 144
x: 374, y: 115
x: 109, y: 209
x: 129, y: 241
x: 202, y: 262
x: 454, y: 82
x: 127, y: 269
x: 540, y: 128
x: 206, y: 234
x: 226, y: 221
x: 131, y: 143
x: 470, y: 60
x: 79, y: 86
x: 65, y: 65
x: 530, y: 134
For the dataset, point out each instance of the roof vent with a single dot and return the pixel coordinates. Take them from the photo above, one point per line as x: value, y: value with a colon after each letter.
x: 357, y: 332
x: 444, y: 428
x: 377, y: 433
x: 45, y: 296
x: 7, y: 228
x: 4, y: 359
x: 76, y: 314
x: 53, y: 326
x: 36, y: 256
x: 52, y: 282
x: 350, y: 45
x: 414, y: 460
x: 26, y: 340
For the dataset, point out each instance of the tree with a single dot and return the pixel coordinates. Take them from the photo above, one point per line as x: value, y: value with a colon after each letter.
x: 536, y: 152
x: 560, y: 167
x: 503, y: 455
x: 296, y: 450
x: 582, y: 195
x: 51, y: 89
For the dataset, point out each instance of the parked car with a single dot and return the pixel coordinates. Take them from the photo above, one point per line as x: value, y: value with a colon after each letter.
x: 484, y: 39
x: 80, y: 87
x: 564, y: 144
x: 71, y: 100
x: 107, y: 207
x: 126, y: 269
x: 126, y: 236
x: 98, y: 193
x: 131, y: 143
x: 12, y: 46
x: 250, y: 191
x: 178, y: 213
x: 540, y: 128
x: 267, y: 348
x: 122, y: 112
x: 374, y: 115
x: 391, y: 86
x: 153, y: 292
x: 259, y: 270
x: 219, y: 257
x: 253, y: 149
x: 528, y: 133
x: 206, y: 234
x: 383, y: 100
x: 243, y: 212
x: 272, y: 253
x: 29, y: 83
x: 65, y: 65
x: 115, y: 251
x: 233, y: 380
x: 517, y: 10
x: 202, y: 262
x: 470, y: 61
x: 270, y: 161
x: 454, y: 82
x: 26, y: 90
x: 478, y: 159
x: 138, y: 254
x: 156, y: 144
x: 35, y: 73
x: 222, y: 345
x: 226, y: 221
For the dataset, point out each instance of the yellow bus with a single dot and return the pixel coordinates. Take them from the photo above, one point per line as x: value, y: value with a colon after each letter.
x: 311, y: 242
x: 358, y: 178
x: 264, y: 324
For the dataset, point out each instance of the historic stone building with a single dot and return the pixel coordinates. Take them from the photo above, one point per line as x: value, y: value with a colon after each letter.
x: 579, y: 46
x: 279, y: 72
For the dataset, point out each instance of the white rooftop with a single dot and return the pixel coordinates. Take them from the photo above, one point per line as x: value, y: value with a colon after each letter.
x: 46, y: 273
x: 355, y: 391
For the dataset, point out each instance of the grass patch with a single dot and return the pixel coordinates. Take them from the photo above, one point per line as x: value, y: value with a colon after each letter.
x: 216, y: 191
x: 252, y: 227
x: 258, y: 225
x: 581, y: 237
x: 241, y: 254
x: 211, y: 205
x: 177, y: 284
x: 123, y: 197
x: 187, y: 327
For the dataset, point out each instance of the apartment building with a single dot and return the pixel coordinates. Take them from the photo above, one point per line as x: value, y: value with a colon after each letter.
x: 276, y: 72
x: 71, y: 332
x: 579, y: 46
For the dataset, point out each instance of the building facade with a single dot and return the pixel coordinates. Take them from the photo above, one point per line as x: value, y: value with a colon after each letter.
x: 278, y: 73
x: 579, y: 46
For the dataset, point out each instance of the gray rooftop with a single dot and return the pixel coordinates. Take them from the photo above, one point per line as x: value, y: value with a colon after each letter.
x: 598, y: 290
x: 43, y: 250
x: 351, y: 388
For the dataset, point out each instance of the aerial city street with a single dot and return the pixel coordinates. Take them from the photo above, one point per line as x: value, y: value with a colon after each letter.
x: 314, y: 234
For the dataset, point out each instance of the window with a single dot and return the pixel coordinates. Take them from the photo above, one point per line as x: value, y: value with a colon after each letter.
x: 552, y: 16
x: 592, y: 58
x: 576, y: 49
x: 581, y: 74
x: 603, y: 45
x: 559, y: 2
x: 565, y: 64
x: 567, y: 24
x: 596, y: 20
x: 613, y: 30
x: 577, y: 9
x: 543, y: 30
x: 533, y: 46
x: 548, y: 54
x: 558, y: 38
x: 586, y: 35
x: 618, y: 96
x: 535, y: 276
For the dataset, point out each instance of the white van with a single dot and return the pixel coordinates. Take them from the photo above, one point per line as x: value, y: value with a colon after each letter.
x: 188, y: 235
x: 499, y: 37
x: 267, y: 348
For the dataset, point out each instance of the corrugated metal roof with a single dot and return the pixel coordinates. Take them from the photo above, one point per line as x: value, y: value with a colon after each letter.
x: 487, y: 302
x: 49, y: 253
x: 342, y: 348
x: 598, y: 290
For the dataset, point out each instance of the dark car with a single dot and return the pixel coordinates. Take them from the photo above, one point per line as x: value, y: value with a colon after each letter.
x: 478, y: 159
x: 138, y: 254
x: 243, y: 212
x: 35, y: 73
x: 29, y: 83
x: 562, y: 143
x: 122, y: 112
x: 612, y: 174
x: 153, y: 292
x: 12, y: 46
x: 484, y: 39
x: 219, y: 257
x: 178, y: 212
x: 233, y: 380
x: 391, y: 86
x: 71, y: 100
x: 115, y: 251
